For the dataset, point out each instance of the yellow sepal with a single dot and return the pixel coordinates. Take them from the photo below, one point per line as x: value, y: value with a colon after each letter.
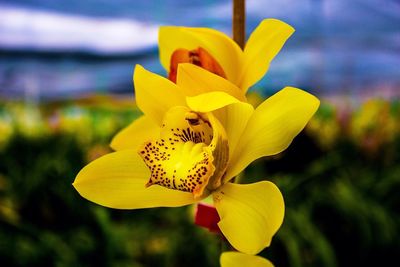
x: 117, y: 180
x: 250, y: 214
x: 272, y: 127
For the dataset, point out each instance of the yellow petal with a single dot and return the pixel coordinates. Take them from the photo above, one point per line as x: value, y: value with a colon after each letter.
x: 250, y: 214
x: 118, y: 180
x: 154, y: 94
x: 227, y: 53
x: 272, y: 127
x: 195, y: 80
x: 263, y: 45
x: 234, y: 119
x: 139, y: 131
x: 237, y: 259
x: 210, y: 101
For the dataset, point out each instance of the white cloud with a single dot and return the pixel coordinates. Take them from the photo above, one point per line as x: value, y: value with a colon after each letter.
x: 21, y: 28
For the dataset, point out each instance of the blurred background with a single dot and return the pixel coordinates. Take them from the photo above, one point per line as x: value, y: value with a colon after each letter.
x: 66, y: 89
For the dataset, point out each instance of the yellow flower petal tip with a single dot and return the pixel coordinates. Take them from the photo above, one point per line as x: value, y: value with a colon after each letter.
x: 154, y: 94
x: 277, y: 24
x: 237, y: 259
x: 208, y: 102
x: 263, y: 45
x: 250, y: 214
x: 304, y: 97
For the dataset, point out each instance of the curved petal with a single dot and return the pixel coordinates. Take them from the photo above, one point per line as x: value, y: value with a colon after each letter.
x: 261, y: 48
x: 250, y: 214
x: 234, y: 119
x: 135, y: 134
x: 195, y: 80
x: 155, y: 95
x: 227, y: 53
x: 208, y: 102
x: 237, y: 259
x: 118, y: 180
x: 272, y: 127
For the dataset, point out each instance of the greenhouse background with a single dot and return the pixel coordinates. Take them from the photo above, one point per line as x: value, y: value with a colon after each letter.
x: 66, y: 88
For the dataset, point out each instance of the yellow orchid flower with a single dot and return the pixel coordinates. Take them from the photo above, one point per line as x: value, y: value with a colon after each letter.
x: 237, y: 259
x: 193, y: 147
x: 219, y: 54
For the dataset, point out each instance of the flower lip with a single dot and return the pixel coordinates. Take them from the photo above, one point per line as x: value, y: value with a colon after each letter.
x: 186, y: 157
x: 199, y: 57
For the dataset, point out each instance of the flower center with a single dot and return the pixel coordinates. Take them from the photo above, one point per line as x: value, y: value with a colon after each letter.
x: 199, y: 57
x: 191, y: 154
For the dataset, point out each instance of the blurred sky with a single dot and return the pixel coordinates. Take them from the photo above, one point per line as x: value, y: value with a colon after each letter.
x: 63, y: 49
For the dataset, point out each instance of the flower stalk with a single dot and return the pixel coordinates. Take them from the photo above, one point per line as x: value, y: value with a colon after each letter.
x: 239, y: 22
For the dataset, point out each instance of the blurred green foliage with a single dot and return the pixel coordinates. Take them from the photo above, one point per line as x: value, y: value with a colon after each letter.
x: 340, y: 179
